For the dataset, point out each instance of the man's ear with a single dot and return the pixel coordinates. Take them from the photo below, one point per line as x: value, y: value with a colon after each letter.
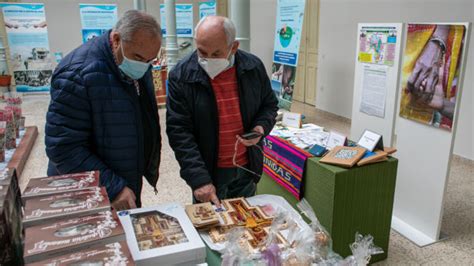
x: 115, y: 39
x: 235, y: 47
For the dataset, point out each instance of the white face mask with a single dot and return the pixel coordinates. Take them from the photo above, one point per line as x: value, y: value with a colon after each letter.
x: 215, y: 66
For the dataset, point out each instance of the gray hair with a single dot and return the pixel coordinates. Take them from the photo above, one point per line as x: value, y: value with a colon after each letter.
x: 227, y: 24
x: 134, y: 20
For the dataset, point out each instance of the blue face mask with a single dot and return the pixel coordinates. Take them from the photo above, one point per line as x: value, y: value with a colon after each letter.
x: 132, y: 68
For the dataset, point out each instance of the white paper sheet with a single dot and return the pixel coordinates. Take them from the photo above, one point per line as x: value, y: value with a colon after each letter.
x: 374, y: 90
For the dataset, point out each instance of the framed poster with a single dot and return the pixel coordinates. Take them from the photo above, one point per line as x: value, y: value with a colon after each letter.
x: 430, y: 73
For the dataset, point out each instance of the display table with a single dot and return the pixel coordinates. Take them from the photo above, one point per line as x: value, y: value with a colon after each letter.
x: 347, y: 201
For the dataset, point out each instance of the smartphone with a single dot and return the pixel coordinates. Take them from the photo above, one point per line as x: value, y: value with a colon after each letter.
x: 251, y: 135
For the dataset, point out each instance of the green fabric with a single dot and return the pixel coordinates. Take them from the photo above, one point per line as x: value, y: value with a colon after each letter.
x: 346, y: 201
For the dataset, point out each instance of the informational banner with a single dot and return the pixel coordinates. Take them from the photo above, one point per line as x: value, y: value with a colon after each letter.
x: 377, y: 45
x: 289, y: 24
x: 207, y: 9
x: 285, y: 163
x: 27, y: 34
x: 430, y: 73
x: 96, y: 19
x: 184, y: 20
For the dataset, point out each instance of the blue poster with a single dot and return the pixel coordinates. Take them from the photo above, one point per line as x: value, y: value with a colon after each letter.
x: 32, y: 63
x: 207, y: 9
x: 96, y: 19
x: 184, y: 20
x: 289, y: 24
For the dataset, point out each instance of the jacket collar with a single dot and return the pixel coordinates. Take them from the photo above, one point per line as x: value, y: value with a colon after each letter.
x: 193, y: 72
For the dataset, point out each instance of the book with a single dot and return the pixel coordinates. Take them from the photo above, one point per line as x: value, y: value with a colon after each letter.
x: 344, y: 156
x: 372, y: 157
x: 59, y: 238
x: 59, y: 184
x: 116, y: 253
x: 389, y: 150
x: 162, y: 235
x: 44, y: 209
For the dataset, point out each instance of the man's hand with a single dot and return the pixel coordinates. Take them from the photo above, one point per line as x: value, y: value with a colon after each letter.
x: 125, y: 200
x: 252, y: 142
x: 207, y: 193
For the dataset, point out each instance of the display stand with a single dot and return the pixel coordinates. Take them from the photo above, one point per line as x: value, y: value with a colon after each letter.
x: 361, y: 121
x: 425, y: 154
x: 23, y: 150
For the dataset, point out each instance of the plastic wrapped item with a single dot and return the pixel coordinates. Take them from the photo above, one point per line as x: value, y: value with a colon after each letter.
x: 3, y: 128
x: 322, y: 239
x: 362, y: 250
x: 10, y: 132
x: 236, y: 251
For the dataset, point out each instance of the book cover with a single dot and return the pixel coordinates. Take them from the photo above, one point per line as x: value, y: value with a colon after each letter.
x: 58, y: 238
x: 43, y: 209
x: 116, y: 254
x: 59, y: 184
x: 344, y: 156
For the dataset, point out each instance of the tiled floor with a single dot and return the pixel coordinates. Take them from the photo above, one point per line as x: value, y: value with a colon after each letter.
x: 458, y: 220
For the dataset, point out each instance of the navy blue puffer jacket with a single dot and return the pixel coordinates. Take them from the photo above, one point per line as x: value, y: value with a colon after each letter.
x: 94, y: 120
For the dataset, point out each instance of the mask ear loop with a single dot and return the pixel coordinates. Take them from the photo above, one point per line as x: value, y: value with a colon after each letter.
x: 234, y: 158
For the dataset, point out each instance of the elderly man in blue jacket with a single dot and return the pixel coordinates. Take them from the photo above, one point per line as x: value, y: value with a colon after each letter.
x: 103, y: 114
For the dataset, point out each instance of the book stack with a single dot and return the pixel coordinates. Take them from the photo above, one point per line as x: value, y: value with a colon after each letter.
x: 116, y: 253
x: 46, y: 186
x: 349, y: 156
x: 67, y: 236
x: 45, y: 209
x: 11, y: 229
x: 67, y: 219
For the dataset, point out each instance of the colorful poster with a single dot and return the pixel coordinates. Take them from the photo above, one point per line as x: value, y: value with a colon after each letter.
x: 289, y: 24
x: 207, y: 9
x: 27, y: 33
x: 96, y: 19
x: 184, y: 20
x: 285, y: 163
x: 430, y: 73
x: 377, y: 45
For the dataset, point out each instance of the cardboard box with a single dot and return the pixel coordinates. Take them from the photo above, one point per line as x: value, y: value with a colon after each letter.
x: 59, y: 184
x: 116, y: 253
x: 162, y: 235
x: 44, y: 209
x: 56, y: 239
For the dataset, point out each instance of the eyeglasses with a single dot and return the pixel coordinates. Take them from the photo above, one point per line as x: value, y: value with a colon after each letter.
x: 234, y: 158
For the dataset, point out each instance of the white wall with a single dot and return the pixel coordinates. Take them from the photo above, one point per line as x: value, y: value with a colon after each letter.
x: 262, y: 28
x: 337, y: 29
